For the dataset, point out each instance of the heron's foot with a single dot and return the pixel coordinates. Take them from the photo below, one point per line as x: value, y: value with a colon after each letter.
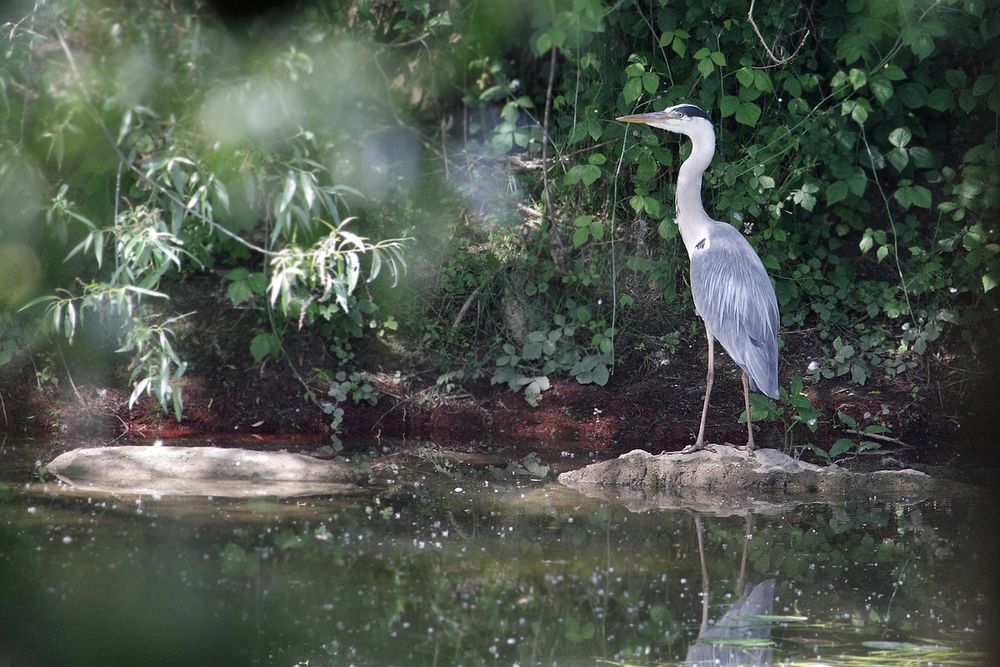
x: 697, y: 447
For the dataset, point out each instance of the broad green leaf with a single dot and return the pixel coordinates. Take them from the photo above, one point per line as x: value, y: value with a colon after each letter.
x: 263, y: 345
x: 728, y: 105
x: 650, y: 82
x: 748, y: 113
x: 841, y: 446
x: 900, y: 137
x: 837, y: 192
x: 898, y: 158
x: 531, y: 351
x: 633, y: 90
x: 984, y: 84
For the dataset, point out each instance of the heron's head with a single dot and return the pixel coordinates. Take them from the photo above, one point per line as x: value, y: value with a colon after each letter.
x: 682, y: 118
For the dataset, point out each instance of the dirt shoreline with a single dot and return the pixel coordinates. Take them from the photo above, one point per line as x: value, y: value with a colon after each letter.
x: 651, y: 410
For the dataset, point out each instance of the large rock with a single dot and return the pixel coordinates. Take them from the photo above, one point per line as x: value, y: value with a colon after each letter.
x: 726, y: 480
x: 206, y: 471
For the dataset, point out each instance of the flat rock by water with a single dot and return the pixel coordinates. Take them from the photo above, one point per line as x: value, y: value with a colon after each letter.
x: 208, y: 471
x: 725, y: 479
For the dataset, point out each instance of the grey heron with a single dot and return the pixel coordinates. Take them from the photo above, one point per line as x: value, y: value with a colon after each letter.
x: 732, y: 292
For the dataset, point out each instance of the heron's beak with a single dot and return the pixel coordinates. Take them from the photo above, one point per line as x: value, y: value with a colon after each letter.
x: 643, y: 118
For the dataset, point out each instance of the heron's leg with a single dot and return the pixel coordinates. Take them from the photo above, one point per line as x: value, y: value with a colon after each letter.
x: 700, y: 530
x: 700, y: 442
x: 746, y: 403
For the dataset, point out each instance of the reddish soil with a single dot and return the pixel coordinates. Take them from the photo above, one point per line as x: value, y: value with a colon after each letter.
x: 229, y: 397
x: 654, y: 409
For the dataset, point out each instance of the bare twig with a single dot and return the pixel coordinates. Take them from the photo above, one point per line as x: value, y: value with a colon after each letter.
x: 530, y: 212
x: 876, y: 436
x: 3, y: 405
x: 556, y: 248
x: 465, y: 306
x: 774, y: 59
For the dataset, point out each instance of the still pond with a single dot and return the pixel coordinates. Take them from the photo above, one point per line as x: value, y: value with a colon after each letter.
x: 478, y: 565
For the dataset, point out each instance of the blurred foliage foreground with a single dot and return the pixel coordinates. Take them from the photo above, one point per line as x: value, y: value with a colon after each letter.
x: 447, y: 178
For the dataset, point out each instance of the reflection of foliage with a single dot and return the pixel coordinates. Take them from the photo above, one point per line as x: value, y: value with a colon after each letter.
x: 474, y: 571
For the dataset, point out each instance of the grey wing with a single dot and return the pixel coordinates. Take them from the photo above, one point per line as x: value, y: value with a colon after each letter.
x: 734, y: 296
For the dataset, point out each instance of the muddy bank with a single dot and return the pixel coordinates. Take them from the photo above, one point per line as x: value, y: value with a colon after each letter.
x: 654, y: 411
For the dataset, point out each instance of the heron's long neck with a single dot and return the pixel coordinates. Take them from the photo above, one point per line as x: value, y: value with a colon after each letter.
x: 692, y: 220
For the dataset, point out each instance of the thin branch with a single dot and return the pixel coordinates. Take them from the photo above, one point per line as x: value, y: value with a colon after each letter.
x: 876, y: 436
x: 556, y: 249
x: 892, y: 223
x: 465, y: 306
x: 774, y: 59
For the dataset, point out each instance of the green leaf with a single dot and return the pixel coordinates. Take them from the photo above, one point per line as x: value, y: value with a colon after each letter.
x: 633, y: 90
x: 596, y: 231
x: 762, y: 82
x: 264, y: 345
x: 882, y: 253
x: 859, y: 375
x: 881, y: 88
x: 650, y: 81
x: 990, y: 281
x: 748, y: 114
x: 580, y: 236
x: 666, y: 229
x: 718, y: 58
x: 746, y: 78
x: 705, y: 67
x: 837, y: 192
x: 922, y: 157
x: 847, y: 420
x: 956, y: 78
x: 841, y: 446
x: 900, y: 137
x: 867, y: 241
x: 898, y: 158
x: 728, y: 105
x: 984, y: 84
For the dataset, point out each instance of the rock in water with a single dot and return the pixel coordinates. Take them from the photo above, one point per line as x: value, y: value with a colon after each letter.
x: 200, y: 471
x: 726, y: 479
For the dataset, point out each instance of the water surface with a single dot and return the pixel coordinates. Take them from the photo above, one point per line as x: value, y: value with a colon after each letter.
x: 479, y: 566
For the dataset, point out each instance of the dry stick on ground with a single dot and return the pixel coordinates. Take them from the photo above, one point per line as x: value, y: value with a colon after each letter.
x: 774, y: 59
x: 556, y: 246
x: 876, y: 436
x: 465, y: 306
